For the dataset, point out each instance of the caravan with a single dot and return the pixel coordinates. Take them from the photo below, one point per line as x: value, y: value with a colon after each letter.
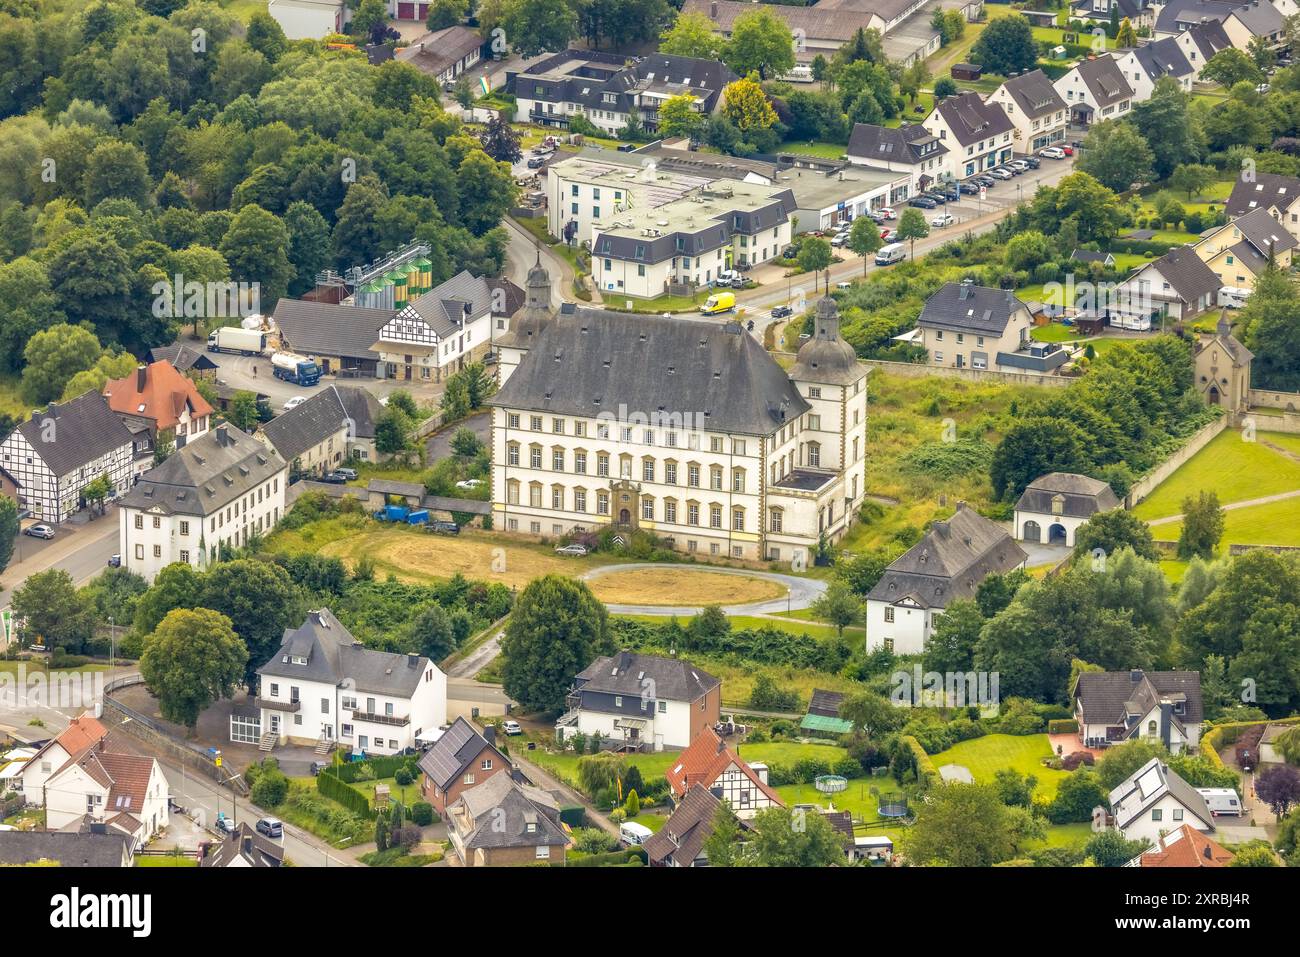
x: 1221, y: 801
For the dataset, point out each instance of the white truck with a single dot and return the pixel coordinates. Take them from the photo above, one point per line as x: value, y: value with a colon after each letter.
x: 245, y: 342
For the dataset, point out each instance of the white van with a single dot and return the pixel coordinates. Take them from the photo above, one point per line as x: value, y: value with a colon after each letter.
x: 633, y: 834
x: 893, y: 253
x: 1221, y: 801
x: 1233, y: 297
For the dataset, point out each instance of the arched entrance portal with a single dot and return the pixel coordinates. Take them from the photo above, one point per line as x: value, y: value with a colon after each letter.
x: 1056, y: 534
x: 1033, y: 532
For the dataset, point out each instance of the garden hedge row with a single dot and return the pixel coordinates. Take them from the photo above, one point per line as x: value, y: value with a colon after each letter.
x: 1224, y: 734
x: 608, y: 859
x: 384, y: 766
x: 330, y: 785
x: 926, y: 773
x: 1063, y: 726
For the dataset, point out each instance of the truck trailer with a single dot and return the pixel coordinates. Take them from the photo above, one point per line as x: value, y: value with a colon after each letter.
x: 244, y: 342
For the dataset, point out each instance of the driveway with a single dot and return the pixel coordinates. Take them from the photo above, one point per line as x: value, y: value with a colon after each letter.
x: 438, y: 445
x: 801, y: 592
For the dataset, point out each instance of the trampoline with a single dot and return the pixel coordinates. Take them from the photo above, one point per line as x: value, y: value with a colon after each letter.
x: 894, y: 808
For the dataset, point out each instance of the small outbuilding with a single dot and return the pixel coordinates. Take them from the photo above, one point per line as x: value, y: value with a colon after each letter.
x: 967, y: 71
x: 1052, y: 507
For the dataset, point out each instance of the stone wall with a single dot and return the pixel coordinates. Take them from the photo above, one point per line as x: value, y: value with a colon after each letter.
x: 1147, y: 483
x: 917, y: 370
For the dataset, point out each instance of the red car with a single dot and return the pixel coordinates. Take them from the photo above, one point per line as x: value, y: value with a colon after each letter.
x: 1067, y: 150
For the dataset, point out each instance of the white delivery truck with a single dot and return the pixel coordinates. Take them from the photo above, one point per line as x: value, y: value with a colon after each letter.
x: 893, y: 253
x: 632, y: 834
x: 245, y: 342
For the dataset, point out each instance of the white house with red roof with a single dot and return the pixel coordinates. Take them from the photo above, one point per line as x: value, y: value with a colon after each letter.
x: 126, y: 792
x: 76, y: 739
x: 710, y: 763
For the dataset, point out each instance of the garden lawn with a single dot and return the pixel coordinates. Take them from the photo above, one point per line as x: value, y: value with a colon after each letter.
x: 993, y: 752
x: 1274, y: 523
x: 683, y: 586
x: 1064, y: 835
x: 1232, y: 468
x: 367, y: 790
x: 166, y: 862
x: 857, y: 799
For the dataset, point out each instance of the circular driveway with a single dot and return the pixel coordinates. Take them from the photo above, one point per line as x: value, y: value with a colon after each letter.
x: 801, y: 592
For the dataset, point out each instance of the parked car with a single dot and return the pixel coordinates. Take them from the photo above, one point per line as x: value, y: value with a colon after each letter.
x: 948, y: 192
x: 790, y: 252
x: 333, y: 478
x: 890, y: 235
x: 1018, y: 166
x: 1067, y: 150
x: 988, y: 182
x: 444, y: 528
x: 317, y: 767
x: 844, y: 285
x: 841, y: 239
x: 1001, y: 173
x: 225, y: 825
x: 875, y: 217
x: 1052, y: 153
x: 469, y: 483
x: 293, y: 403
x: 39, y: 531
x: 347, y: 473
x: 922, y: 202
x: 943, y: 219
x: 574, y: 549
x: 270, y: 826
x: 537, y: 162
x: 970, y: 188
x: 887, y: 213
x: 115, y: 560
x: 511, y: 728
x: 1031, y: 161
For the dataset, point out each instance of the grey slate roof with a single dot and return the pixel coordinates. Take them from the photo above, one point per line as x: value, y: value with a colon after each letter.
x: 817, y: 23
x: 1105, y: 80
x: 826, y: 357
x: 1260, y: 18
x: 246, y: 843
x: 182, y: 357
x: 1263, y: 233
x: 587, y: 361
x: 334, y: 655
x: 950, y: 561
x: 627, y: 673
x: 1147, y: 785
x: 904, y: 144
x: 501, y: 810
x: 826, y: 703
x: 294, y: 432
x: 84, y: 429
x: 1035, y: 94
x: 1163, y: 57
x: 206, y: 474
x: 436, y: 52
x: 1084, y: 496
x: 970, y: 308
x: 557, y: 80
x: 1127, y: 8
x: 361, y: 406
x: 330, y: 329
x: 443, y: 307
x: 452, y: 753
x: 1210, y: 38
x: 1186, y: 273
x: 681, y: 840
x: 1264, y: 191
x: 1090, y: 256
x: 971, y: 119
x: 1104, y: 694
x: 68, y: 848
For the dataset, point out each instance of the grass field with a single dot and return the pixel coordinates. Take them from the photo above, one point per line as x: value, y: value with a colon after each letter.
x: 1274, y: 523
x: 166, y: 862
x: 1234, y: 469
x: 682, y: 586
x: 783, y: 622
x: 857, y: 799
x: 989, y: 754
x: 11, y: 396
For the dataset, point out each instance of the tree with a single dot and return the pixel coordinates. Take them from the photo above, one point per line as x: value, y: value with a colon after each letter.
x: 95, y: 492
x: 1192, y: 178
x: 680, y: 116
x: 192, y: 659
x: 1110, y: 848
x: 257, y: 248
x: 117, y: 170
x: 1287, y: 744
x: 52, y: 357
x: 760, y: 43
x: 838, y: 606
x: 1034, y: 447
x: 911, y: 227
x: 1255, y: 854
x: 1116, y: 155
x: 1271, y: 330
x: 487, y: 191
x: 446, y: 13
x: 945, y: 87
x: 1165, y: 123
x: 260, y: 600
x: 430, y: 631
x: 1006, y: 46
x: 1126, y: 36
x: 557, y: 628
x: 1113, y: 530
x: 814, y: 256
x: 1278, y: 786
x: 691, y: 35
x: 746, y: 105
x: 500, y: 141
x: 1076, y: 798
x: 864, y: 239
x: 871, y: 714
x: 780, y: 837
x: 244, y: 413
x: 1120, y: 761
x: 55, y: 613
x: 93, y: 280
x: 722, y: 846
x: 1202, y: 526
x: 309, y: 244
x: 1231, y: 66
x: 952, y: 641
x: 266, y: 36
x: 960, y: 825
x: 540, y: 26
x: 9, y: 526
x: 913, y: 79
x: 27, y: 306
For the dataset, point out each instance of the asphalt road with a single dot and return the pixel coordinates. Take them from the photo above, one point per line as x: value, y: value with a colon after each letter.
x: 97, y: 541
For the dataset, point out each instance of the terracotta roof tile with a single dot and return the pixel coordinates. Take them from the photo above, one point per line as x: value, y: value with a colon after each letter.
x: 1187, y: 847
x: 702, y: 763
x: 163, y: 397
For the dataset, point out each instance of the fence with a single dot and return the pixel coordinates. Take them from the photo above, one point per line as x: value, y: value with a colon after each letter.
x: 1147, y: 483
x: 149, y: 732
x: 918, y: 370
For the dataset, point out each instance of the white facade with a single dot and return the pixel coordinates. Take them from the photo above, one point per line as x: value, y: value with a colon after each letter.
x: 902, y: 626
x: 1076, y: 93
x: 1047, y: 527
x: 741, y: 792
x: 966, y: 160
x: 308, y: 19
x: 1032, y: 133
x: 1164, y: 816
x: 74, y: 793
x: 53, y: 498
x: 668, y: 727
x: 412, y: 349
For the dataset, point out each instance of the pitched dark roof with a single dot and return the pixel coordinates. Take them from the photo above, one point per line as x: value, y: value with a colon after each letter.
x: 1260, y: 18
x: 1186, y: 273
x: 967, y: 307
x: 330, y: 329
x: 1147, y: 785
x: 826, y: 356
x: 1127, y: 8
x: 500, y: 812
x: 826, y: 703
x: 1163, y: 57
x: 1209, y: 37
x: 435, y: 52
x: 1263, y: 233
x: 334, y: 655
x: 208, y: 473
x: 1034, y: 94
x: 307, y: 425
x: 1090, y: 256
x: 246, y: 844
x: 588, y: 361
x: 1104, y: 80
x: 1082, y: 496
x: 681, y: 839
x: 1105, y: 695
x: 626, y: 673
x: 904, y: 144
x: 452, y: 753
x: 970, y: 119
x: 443, y: 307
x: 67, y: 848
x: 1265, y: 190
x: 950, y: 561
x: 182, y: 357
x: 817, y: 23
x: 361, y: 406
x: 587, y: 76
x: 84, y: 429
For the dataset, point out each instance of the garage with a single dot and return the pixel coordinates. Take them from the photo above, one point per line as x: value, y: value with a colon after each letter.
x: 406, y: 11
x: 424, y: 12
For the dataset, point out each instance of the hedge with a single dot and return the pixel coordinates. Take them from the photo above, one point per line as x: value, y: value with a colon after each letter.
x: 384, y: 766
x: 926, y: 773
x: 1218, y: 737
x: 1063, y: 726
x: 335, y: 788
x: 608, y: 859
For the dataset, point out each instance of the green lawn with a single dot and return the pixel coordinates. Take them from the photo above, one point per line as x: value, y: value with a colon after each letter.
x: 989, y: 754
x: 1063, y: 835
x: 796, y: 623
x: 857, y: 799
x: 166, y: 862
x: 1275, y: 523
x: 11, y: 396
x: 1234, y: 469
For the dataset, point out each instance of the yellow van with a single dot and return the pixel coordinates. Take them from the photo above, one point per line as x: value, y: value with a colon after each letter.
x: 718, y: 302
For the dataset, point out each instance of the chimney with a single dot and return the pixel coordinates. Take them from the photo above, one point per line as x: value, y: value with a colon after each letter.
x: 490, y: 735
x: 223, y: 434
x: 412, y: 661
x: 713, y: 10
x: 1135, y: 675
x: 248, y: 844
x: 141, y: 377
x: 1205, y: 852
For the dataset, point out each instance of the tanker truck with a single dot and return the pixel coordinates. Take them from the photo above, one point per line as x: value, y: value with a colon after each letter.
x: 295, y: 368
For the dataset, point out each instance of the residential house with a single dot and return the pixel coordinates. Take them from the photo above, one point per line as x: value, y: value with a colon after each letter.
x: 1096, y: 90
x: 642, y: 701
x: 125, y: 792
x: 1185, y: 847
x: 1279, y: 195
x: 978, y: 134
x: 503, y: 823
x: 338, y: 337
x: 965, y: 326
x: 1243, y: 22
x: 221, y: 489
x: 1053, y: 506
x: 59, y: 451
x: 408, y: 10
x: 949, y: 562
x: 680, y: 842
x: 820, y: 28
x: 309, y: 19
x: 1222, y: 368
x: 244, y: 848
x: 159, y: 406
x: 1035, y: 108
x: 1164, y: 707
x: 710, y: 763
x: 333, y: 426
x: 325, y: 688
x: 81, y: 734
x: 910, y: 149
x: 444, y: 54
x: 189, y: 362
x: 1143, y: 66
x: 363, y: 412
x: 1178, y: 285
x: 736, y: 457
x: 1088, y: 256
x: 93, y: 848
x: 1154, y: 802
x: 1200, y: 41
x: 439, y: 332
x: 608, y: 90
x: 1140, y: 13
x: 461, y: 758
x: 1239, y: 250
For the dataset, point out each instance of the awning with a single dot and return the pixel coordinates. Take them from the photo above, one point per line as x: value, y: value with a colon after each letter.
x: 637, y: 724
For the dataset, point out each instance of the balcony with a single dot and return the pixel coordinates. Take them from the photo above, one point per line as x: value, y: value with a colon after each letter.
x: 275, y: 704
x: 393, y: 720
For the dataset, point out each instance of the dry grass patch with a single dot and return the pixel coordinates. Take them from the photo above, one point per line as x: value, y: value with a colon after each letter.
x: 682, y: 586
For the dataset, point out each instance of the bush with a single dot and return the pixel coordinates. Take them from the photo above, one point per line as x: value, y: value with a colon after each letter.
x: 403, y: 776
x: 271, y: 789
x: 423, y: 814
x: 1063, y: 726
x: 1072, y: 761
x: 329, y: 784
x: 617, y: 816
x: 592, y: 840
